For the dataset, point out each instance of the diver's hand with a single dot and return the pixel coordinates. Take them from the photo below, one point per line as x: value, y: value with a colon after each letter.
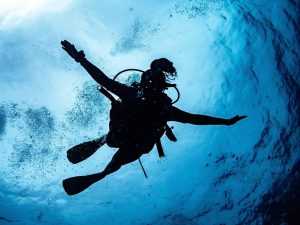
x: 72, y: 51
x: 235, y: 119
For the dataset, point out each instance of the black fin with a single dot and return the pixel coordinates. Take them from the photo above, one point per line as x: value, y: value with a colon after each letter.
x: 82, y: 151
x: 75, y: 185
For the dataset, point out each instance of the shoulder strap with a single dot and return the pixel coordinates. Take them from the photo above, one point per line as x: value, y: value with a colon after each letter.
x: 160, y: 149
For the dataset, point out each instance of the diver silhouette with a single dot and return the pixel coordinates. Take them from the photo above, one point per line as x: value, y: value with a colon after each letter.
x: 138, y: 119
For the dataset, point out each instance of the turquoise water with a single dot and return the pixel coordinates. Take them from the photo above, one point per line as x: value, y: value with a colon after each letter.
x: 232, y: 57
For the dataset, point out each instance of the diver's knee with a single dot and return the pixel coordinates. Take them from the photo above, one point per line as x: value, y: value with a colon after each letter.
x: 111, y: 169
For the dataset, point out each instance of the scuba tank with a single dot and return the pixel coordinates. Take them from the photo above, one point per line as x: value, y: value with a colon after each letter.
x: 116, y: 111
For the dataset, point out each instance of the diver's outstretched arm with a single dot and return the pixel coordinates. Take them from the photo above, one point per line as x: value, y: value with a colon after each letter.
x: 79, y: 56
x: 197, y: 119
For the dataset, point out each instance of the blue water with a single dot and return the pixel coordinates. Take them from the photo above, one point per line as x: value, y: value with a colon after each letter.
x: 232, y: 57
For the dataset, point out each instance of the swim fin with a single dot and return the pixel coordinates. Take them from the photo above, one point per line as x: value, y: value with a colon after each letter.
x: 75, y: 185
x: 82, y: 151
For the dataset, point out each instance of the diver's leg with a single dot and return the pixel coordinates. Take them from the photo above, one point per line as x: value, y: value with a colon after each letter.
x: 75, y: 185
x: 121, y: 157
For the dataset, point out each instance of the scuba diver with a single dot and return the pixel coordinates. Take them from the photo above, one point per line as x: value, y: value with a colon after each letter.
x: 138, y: 119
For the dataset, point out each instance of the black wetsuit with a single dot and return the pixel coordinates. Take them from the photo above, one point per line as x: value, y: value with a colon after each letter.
x: 142, y: 121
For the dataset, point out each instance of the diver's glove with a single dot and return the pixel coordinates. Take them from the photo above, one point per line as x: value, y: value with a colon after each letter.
x: 72, y: 51
x: 235, y: 119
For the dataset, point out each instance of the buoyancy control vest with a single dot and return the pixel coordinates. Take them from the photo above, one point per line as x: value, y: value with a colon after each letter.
x: 139, y: 123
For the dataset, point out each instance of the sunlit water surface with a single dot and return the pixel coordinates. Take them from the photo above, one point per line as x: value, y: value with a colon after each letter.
x: 232, y: 57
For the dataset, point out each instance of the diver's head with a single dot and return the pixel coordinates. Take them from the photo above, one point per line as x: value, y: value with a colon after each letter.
x: 152, y: 82
x: 156, y: 79
x: 163, y: 65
